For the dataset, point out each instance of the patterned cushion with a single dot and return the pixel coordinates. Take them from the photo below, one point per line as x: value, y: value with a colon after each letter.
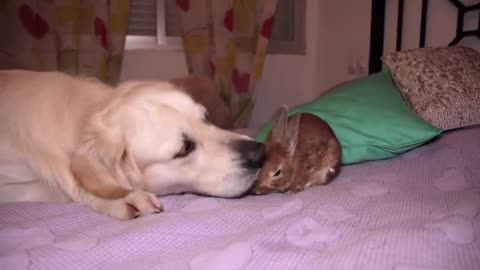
x: 441, y: 84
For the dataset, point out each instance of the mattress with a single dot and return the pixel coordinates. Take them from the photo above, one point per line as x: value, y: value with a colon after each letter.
x: 419, y: 210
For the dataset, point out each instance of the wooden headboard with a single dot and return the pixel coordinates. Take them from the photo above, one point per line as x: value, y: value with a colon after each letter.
x: 378, y: 20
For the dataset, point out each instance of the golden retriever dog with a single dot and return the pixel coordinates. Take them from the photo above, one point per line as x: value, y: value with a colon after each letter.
x: 115, y: 149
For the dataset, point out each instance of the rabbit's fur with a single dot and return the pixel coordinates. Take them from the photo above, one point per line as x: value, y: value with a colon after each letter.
x: 302, y: 151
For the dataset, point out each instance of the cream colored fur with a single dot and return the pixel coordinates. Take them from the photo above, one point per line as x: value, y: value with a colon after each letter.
x: 76, y: 139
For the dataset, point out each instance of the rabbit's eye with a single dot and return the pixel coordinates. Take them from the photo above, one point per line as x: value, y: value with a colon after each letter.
x: 277, y: 173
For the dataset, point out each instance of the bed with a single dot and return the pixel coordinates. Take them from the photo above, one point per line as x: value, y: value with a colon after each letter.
x: 417, y: 210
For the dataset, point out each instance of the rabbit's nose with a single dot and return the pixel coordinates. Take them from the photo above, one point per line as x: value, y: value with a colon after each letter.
x: 252, y: 153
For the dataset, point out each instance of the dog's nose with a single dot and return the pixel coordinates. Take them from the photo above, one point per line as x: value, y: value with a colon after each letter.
x: 251, y: 152
x: 256, y: 155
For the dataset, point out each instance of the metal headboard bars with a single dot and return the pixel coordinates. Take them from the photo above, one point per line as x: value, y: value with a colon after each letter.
x: 423, y: 23
x: 462, y: 10
x: 378, y: 26
x: 377, y: 31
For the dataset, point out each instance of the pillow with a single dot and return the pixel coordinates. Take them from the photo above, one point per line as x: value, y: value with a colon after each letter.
x: 441, y: 84
x: 369, y: 117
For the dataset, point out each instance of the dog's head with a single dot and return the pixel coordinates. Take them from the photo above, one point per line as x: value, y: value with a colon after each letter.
x: 152, y: 137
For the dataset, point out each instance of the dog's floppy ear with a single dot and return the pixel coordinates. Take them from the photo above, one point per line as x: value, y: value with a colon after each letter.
x: 204, y: 91
x: 102, y: 163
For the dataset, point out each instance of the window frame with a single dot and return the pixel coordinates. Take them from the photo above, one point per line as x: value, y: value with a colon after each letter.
x: 161, y: 41
x: 298, y: 44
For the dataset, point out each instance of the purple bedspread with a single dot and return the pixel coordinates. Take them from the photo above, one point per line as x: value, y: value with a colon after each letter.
x: 416, y: 211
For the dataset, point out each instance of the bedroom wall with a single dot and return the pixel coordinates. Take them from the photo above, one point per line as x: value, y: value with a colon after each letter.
x: 344, y: 41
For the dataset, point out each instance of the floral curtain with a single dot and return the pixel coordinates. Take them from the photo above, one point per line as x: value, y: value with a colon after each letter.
x: 227, y: 40
x: 83, y: 37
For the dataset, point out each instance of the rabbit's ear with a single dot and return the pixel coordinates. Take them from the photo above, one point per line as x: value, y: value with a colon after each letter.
x: 279, y: 125
x: 291, y: 134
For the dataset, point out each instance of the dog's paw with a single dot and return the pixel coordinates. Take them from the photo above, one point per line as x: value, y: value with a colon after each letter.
x: 143, y: 203
x: 116, y: 209
x: 134, y: 204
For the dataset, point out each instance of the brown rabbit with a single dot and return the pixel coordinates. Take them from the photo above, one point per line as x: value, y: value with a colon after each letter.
x: 302, y: 151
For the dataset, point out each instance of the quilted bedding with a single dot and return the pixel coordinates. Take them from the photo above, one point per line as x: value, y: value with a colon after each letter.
x: 416, y: 211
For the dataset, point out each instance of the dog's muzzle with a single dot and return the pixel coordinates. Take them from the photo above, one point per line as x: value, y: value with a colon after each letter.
x: 252, y: 153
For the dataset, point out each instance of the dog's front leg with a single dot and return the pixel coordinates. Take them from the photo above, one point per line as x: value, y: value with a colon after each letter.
x: 134, y: 204
x: 122, y: 204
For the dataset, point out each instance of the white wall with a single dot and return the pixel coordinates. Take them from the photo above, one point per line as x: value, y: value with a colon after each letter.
x: 344, y: 41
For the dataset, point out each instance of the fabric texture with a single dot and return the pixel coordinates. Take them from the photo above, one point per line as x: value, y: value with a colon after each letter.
x: 369, y: 117
x: 77, y: 37
x: 441, y: 84
x: 227, y: 40
x: 417, y: 211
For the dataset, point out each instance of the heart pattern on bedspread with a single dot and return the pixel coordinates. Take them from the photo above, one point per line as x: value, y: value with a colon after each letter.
x: 233, y: 257
x: 15, y: 242
x: 420, y: 211
x: 203, y: 204
x: 417, y: 267
x: 285, y: 209
x: 307, y: 232
x: 451, y: 180
x: 15, y: 260
x: 371, y: 189
x: 17, y: 238
x: 77, y: 243
x: 459, y: 230
x: 334, y: 213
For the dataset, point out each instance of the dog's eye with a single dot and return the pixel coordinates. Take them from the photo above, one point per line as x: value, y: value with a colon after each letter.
x: 277, y: 173
x: 187, y: 147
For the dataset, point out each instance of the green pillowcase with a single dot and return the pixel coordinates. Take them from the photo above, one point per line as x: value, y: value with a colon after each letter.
x: 370, y: 119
